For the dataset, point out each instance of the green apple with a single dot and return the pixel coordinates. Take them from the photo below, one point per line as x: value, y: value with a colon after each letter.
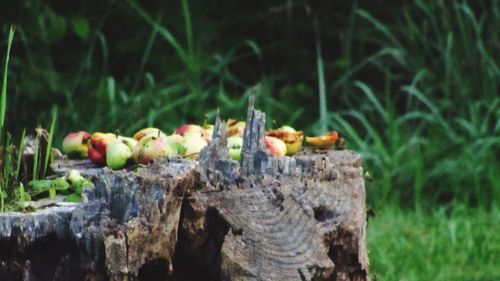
x: 74, y: 176
x: 130, y: 142
x: 287, y: 129
x: 117, y: 155
x: 235, y: 144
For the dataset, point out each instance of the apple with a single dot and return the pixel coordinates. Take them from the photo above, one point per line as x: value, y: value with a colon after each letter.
x: 153, y: 149
x: 235, y: 144
x: 117, y: 155
x: 188, y: 129
x: 97, y: 147
x: 193, y: 144
x: 97, y: 157
x: 288, y: 129
x: 293, y: 139
x: 236, y: 128
x: 192, y: 129
x: 170, y: 140
x: 324, y: 141
x: 74, y: 176
x: 150, y: 148
x: 209, y: 128
x: 148, y: 131
x: 130, y: 142
x: 176, y: 143
x: 75, y: 144
x: 275, y: 146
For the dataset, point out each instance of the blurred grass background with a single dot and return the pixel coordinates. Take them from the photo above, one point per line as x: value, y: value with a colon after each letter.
x: 412, y: 85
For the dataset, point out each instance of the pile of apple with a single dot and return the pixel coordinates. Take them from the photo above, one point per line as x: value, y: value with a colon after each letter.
x: 116, y: 151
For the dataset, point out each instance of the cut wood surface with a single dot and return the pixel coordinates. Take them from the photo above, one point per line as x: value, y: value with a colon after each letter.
x: 264, y: 218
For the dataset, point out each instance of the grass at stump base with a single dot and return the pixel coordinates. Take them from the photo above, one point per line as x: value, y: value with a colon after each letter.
x: 461, y: 244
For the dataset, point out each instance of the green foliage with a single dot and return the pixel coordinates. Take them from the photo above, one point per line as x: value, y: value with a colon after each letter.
x: 12, y: 191
x: 448, y: 244
x: 3, y: 96
x: 48, y: 148
x: 413, y: 87
x: 430, y: 134
x: 6, y: 147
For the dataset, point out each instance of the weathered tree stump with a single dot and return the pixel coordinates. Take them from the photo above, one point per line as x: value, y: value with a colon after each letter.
x: 265, y: 218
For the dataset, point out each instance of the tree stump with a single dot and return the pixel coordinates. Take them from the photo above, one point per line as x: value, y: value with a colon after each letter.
x: 264, y: 218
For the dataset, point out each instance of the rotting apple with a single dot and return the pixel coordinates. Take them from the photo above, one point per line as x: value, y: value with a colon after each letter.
x: 236, y: 128
x: 193, y: 144
x: 235, y: 145
x: 75, y: 144
x: 275, y: 146
x: 293, y: 139
x: 117, y: 155
x: 324, y: 141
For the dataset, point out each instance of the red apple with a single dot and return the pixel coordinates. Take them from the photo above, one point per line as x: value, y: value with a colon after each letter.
x: 189, y: 130
x: 275, y: 146
x: 75, y: 144
x: 97, y: 147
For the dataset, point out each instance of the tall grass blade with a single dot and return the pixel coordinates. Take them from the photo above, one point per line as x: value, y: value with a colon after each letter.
x: 373, y: 99
x: 3, y: 98
x: 48, y: 150
x: 36, y: 157
x: 321, y: 83
x: 165, y: 33
x: 20, y: 154
x: 189, y: 31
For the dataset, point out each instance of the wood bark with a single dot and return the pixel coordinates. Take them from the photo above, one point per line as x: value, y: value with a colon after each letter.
x: 264, y: 218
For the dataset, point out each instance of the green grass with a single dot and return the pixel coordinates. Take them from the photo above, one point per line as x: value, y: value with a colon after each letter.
x: 447, y: 244
x: 12, y: 192
x: 429, y: 130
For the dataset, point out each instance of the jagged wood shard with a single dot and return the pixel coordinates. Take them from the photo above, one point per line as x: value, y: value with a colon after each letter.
x: 265, y: 218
